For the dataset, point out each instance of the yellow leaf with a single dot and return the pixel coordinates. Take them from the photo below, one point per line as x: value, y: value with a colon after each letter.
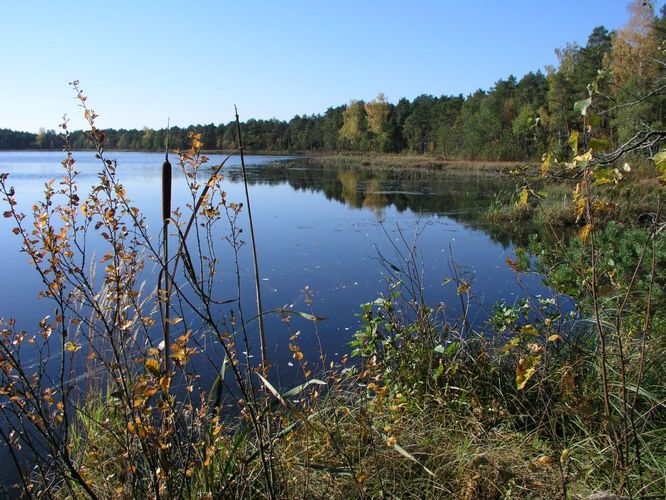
x: 603, y: 206
x: 577, y: 192
x: 660, y: 161
x: 554, y: 338
x: 165, y: 383
x: 298, y: 356
x: 573, y: 141
x: 513, y: 264
x: 565, y: 455
x: 580, y: 208
x: 127, y: 324
x: 526, y: 369
x: 534, y: 347
x: 544, y: 461
x: 584, y: 232
x: 546, y: 162
x: 153, y: 366
x: 522, y: 198
x: 511, y: 344
x: 71, y: 346
x: 529, y: 330
x: 584, y: 157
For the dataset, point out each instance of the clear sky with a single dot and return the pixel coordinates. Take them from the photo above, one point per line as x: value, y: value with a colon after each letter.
x: 140, y: 61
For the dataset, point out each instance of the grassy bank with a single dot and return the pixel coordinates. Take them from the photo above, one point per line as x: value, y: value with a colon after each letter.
x: 421, y: 409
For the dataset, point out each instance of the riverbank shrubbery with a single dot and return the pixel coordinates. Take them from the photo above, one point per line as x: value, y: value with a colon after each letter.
x: 552, y: 208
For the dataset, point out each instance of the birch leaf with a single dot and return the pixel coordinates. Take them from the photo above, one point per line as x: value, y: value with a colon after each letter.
x: 526, y: 369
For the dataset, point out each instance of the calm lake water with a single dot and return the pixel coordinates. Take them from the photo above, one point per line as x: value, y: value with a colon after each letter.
x: 317, y: 227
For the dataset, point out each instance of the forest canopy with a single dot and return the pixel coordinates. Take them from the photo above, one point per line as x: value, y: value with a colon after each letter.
x: 516, y: 119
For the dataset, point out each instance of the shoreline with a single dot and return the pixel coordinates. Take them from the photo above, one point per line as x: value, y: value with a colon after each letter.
x: 428, y: 162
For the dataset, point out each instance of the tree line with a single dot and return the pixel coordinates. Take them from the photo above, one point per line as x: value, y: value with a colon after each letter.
x: 514, y: 120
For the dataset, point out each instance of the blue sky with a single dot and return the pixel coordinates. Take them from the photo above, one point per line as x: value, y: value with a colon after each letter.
x: 141, y: 61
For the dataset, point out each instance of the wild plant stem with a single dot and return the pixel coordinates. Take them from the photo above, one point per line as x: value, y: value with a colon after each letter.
x: 597, y: 319
x: 166, y: 289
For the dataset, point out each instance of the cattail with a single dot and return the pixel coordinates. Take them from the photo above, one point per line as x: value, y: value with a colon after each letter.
x: 166, y: 215
x: 166, y: 185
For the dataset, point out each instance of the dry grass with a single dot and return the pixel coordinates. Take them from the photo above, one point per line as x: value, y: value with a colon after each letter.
x: 351, y: 447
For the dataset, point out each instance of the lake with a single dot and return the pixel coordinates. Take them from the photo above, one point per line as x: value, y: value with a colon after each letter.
x: 319, y: 229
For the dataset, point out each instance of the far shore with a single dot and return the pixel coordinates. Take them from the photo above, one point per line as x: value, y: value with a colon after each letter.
x: 432, y: 162
x: 425, y: 161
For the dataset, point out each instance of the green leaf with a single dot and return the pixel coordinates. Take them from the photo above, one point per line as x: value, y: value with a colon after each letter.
x: 451, y: 349
x: 309, y: 317
x: 218, y: 385
x: 599, y: 144
x: 594, y: 120
x: 581, y: 106
x: 660, y: 161
x: 438, y: 371
x: 602, y: 176
x: 300, y: 388
x: 439, y: 349
x: 395, y: 268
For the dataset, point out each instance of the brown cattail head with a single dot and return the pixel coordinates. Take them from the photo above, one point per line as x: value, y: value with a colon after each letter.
x: 166, y: 178
x: 166, y: 190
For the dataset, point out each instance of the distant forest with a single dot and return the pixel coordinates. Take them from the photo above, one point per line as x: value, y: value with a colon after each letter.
x: 514, y: 120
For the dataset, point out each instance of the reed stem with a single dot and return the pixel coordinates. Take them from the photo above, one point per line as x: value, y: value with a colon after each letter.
x: 260, y: 312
